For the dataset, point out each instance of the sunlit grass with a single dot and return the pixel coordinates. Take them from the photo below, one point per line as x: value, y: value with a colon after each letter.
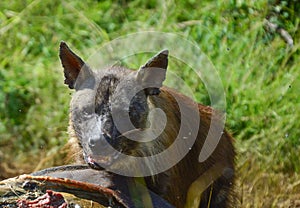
x: 260, y: 75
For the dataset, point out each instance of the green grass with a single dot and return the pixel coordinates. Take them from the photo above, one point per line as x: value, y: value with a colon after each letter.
x: 260, y: 75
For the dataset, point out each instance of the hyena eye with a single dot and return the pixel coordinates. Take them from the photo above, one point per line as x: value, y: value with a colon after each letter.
x: 133, y: 113
x: 138, y: 115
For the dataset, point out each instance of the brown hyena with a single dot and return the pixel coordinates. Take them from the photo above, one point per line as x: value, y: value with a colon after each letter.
x: 111, y: 125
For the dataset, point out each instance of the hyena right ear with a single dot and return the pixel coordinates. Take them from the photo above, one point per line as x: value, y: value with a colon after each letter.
x: 152, y: 74
x: 72, y: 64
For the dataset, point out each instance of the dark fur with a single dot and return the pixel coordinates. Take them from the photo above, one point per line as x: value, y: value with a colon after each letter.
x: 95, y: 97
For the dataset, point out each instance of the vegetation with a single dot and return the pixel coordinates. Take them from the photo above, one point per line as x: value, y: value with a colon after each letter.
x: 259, y: 71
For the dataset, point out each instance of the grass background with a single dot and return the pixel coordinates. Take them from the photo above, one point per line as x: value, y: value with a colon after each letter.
x: 260, y: 74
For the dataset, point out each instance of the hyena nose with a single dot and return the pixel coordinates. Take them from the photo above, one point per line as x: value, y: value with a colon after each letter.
x: 98, y: 142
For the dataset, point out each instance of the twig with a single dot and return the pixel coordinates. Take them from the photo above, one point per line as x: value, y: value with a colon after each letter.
x: 282, y: 32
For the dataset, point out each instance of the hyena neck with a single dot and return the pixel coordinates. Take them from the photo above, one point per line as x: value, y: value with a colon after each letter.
x: 188, y: 167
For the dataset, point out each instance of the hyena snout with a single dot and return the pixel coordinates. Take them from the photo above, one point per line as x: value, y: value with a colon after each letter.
x: 98, y: 142
x: 98, y: 151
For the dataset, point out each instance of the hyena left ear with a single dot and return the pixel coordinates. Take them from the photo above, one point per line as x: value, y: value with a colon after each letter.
x: 72, y: 64
x: 153, y: 73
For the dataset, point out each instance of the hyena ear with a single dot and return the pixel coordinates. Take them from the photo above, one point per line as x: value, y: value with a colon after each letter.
x: 153, y: 73
x: 72, y: 64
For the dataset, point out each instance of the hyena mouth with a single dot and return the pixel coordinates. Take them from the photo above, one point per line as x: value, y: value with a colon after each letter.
x: 99, y: 162
x: 93, y: 164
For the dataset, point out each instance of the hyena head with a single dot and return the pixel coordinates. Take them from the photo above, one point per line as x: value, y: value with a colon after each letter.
x: 109, y: 104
